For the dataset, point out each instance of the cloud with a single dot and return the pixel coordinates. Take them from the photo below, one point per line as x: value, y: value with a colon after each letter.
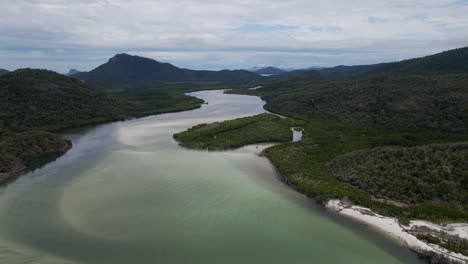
x: 376, y: 20
x: 258, y: 28
x: 219, y: 34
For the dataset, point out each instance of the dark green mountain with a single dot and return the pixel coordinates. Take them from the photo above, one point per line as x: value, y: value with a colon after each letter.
x: 3, y: 72
x: 271, y: 71
x: 429, y: 92
x: 125, y: 69
x: 452, y: 61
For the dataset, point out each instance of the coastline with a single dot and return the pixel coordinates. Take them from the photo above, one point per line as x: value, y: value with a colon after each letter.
x: 391, y: 227
x: 387, y: 225
x: 16, y: 172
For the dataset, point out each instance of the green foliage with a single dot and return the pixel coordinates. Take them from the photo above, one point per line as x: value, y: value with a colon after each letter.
x: 40, y: 98
x: 27, y: 149
x: 305, y: 165
x: 430, y: 173
x: 35, y: 100
x: 428, y: 238
x: 156, y: 100
x: 407, y: 101
x: 448, y: 62
x: 239, y: 132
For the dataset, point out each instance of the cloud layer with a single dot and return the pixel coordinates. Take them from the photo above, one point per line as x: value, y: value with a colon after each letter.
x: 209, y: 34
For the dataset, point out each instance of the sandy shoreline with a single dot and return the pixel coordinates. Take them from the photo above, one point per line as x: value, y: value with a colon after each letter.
x: 391, y: 227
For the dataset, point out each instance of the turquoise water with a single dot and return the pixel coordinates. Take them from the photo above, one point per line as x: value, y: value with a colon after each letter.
x: 127, y: 193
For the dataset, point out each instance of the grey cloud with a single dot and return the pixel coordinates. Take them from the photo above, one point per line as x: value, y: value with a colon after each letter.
x: 197, y: 34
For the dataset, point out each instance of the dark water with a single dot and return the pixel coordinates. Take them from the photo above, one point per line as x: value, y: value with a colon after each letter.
x: 126, y: 193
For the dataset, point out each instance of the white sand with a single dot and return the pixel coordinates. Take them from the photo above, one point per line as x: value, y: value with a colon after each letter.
x: 391, y: 227
x: 460, y: 229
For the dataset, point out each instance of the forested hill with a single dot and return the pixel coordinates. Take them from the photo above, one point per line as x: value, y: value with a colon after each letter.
x: 452, y: 61
x: 40, y: 98
x: 271, y: 70
x: 124, y: 69
x: 3, y: 72
x: 35, y: 102
x: 391, y: 95
x: 448, y: 62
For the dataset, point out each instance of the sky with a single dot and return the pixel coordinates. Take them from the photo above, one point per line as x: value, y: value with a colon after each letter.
x: 222, y: 34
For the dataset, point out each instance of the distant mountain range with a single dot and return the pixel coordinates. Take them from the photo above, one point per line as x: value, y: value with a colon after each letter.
x: 72, y: 72
x: 452, y: 61
x: 3, y: 72
x: 270, y: 71
x: 127, y: 70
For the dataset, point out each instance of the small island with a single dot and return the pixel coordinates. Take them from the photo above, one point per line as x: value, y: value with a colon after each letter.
x: 263, y: 128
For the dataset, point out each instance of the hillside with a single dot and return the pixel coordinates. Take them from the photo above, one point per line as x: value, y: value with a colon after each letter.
x: 422, y: 174
x: 124, y: 69
x: 3, y: 72
x: 429, y: 92
x: 270, y: 71
x: 448, y: 62
x: 438, y: 102
x: 40, y: 98
x: 35, y: 102
x: 452, y: 61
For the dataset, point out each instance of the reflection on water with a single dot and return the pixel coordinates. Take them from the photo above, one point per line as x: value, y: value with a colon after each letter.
x: 127, y: 193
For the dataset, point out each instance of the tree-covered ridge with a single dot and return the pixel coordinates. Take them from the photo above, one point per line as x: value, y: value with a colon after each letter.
x: 35, y: 101
x: 40, y: 98
x: 127, y: 70
x: 421, y: 174
x: 448, y: 62
x: 270, y: 70
x: 3, y: 72
x: 451, y: 61
x: 263, y: 128
x: 437, y: 102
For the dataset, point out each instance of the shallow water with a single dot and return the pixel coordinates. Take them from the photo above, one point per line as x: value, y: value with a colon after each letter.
x: 127, y: 193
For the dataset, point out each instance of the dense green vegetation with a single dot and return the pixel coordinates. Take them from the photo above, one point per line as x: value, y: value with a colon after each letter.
x: 430, y: 173
x: 35, y: 101
x: 427, y: 92
x: 448, y: 62
x: 410, y: 103
x: 125, y: 70
x: 433, y: 102
x: 28, y: 149
x: 237, y: 133
x: 305, y: 165
x: 40, y: 98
